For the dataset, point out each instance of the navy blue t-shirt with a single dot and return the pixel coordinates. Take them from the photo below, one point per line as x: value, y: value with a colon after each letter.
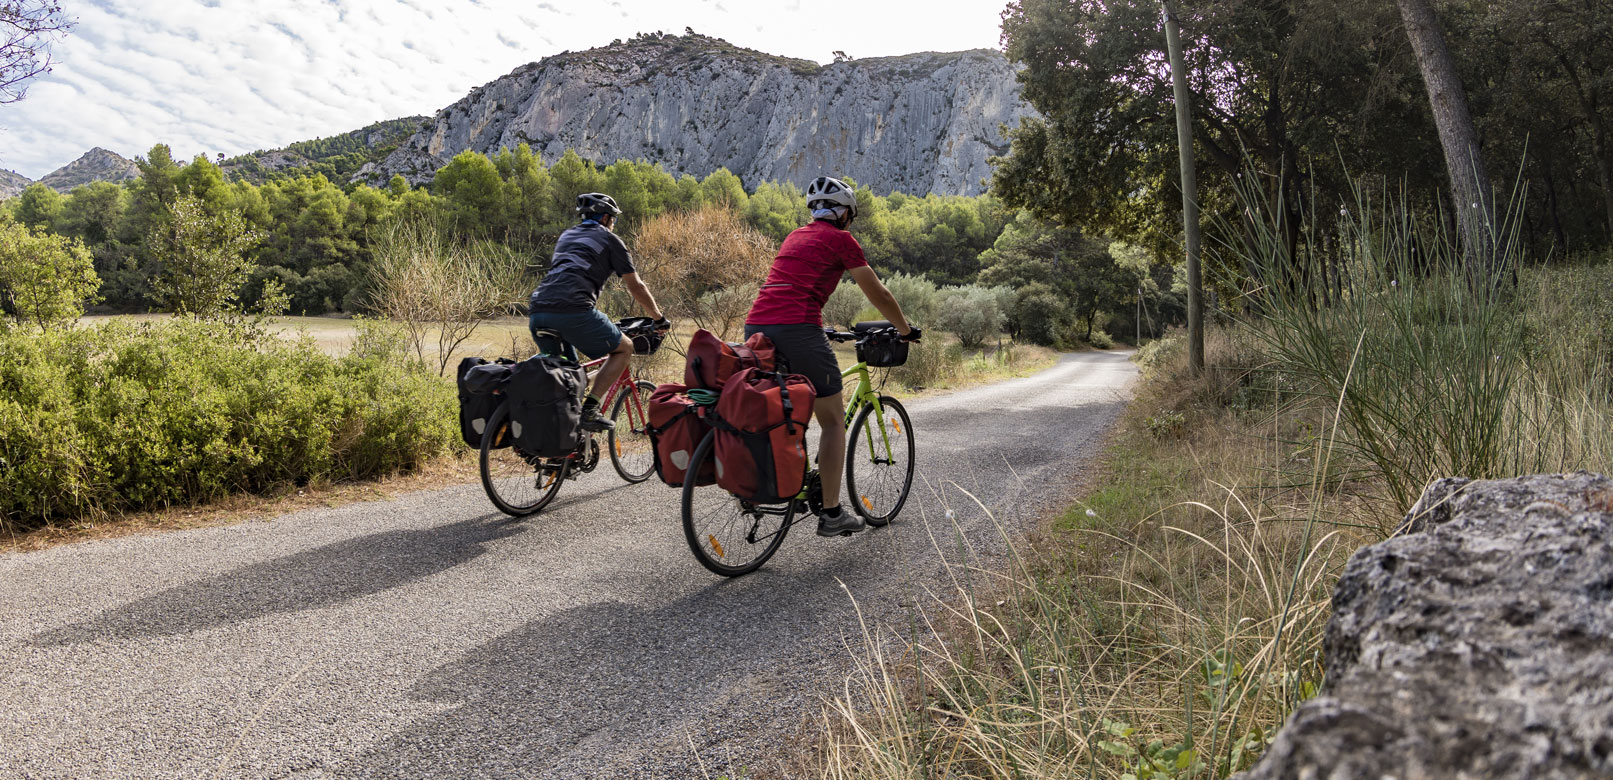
x: 584, y: 259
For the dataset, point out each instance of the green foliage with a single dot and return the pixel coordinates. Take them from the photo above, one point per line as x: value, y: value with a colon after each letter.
x: 971, y: 313
x: 1159, y: 353
x: 120, y: 417
x: 203, y: 258
x: 44, y: 279
x: 843, y: 305
x: 318, y: 239
x: 471, y: 186
x: 38, y: 206
x: 918, y: 296
x: 337, y: 158
x: 1040, y: 315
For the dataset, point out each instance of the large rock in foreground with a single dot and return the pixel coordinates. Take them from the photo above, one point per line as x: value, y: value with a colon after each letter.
x: 1479, y: 644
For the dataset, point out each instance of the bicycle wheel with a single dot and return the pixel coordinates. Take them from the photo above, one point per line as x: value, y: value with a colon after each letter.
x: 629, y: 441
x: 879, y: 461
x: 516, y: 484
x: 729, y: 536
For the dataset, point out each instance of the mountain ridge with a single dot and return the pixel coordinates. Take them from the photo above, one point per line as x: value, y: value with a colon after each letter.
x: 922, y: 122
x: 12, y: 184
x: 97, y: 164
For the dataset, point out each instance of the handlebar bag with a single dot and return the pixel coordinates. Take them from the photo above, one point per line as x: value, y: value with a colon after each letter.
x: 879, y: 351
x: 676, y: 428
x: 641, y: 331
x: 761, y: 424
x: 479, y: 383
x: 711, y: 360
x: 545, y: 396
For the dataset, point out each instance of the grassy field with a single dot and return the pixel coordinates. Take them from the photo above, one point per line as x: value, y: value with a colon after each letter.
x: 938, y: 365
x: 334, y: 335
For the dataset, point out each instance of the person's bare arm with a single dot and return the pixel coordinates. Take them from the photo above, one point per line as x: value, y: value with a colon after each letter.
x: 641, y: 293
x: 881, y: 298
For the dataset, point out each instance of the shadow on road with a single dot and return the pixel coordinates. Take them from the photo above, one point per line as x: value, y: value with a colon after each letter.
x: 314, y: 578
x: 571, y: 693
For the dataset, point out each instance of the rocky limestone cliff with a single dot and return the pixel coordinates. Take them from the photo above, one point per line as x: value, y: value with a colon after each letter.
x: 96, y: 165
x: 917, y: 123
x: 1479, y: 643
x: 12, y: 184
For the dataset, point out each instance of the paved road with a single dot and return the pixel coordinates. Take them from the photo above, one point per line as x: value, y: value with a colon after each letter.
x: 429, y: 637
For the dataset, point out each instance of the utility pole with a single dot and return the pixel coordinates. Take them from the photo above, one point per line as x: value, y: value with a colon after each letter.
x: 1139, y: 341
x: 1190, y: 199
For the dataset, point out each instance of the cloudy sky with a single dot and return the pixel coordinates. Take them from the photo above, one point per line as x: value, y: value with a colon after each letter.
x: 231, y: 76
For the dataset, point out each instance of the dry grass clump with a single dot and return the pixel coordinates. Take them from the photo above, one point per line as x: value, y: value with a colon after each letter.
x: 441, y: 289
x: 703, y: 266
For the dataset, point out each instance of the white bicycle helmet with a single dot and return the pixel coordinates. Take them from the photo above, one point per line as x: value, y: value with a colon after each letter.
x: 831, y: 192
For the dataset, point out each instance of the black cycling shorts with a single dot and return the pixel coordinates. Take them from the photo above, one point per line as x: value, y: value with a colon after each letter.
x: 805, y: 351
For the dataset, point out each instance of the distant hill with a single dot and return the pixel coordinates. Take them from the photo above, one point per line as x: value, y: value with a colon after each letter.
x: 96, y: 165
x: 337, y: 157
x: 920, y: 123
x: 12, y: 184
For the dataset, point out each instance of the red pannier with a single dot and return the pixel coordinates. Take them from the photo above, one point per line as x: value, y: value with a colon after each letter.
x: 676, y: 428
x: 711, y: 360
x: 761, y: 435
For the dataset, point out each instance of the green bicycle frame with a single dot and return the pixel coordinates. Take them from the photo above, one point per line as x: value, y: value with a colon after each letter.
x: 865, y: 395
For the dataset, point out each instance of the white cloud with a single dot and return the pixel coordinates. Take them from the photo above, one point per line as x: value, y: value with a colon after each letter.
x: 231, y: 76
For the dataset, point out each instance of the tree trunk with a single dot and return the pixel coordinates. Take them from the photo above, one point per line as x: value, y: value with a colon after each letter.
x: 1545, y: 164
x: 1190, y: 204
x: 1604, y: 167
x: 1470, y: 185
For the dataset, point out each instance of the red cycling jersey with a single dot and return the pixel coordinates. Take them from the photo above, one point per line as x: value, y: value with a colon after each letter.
x: 806, y: 271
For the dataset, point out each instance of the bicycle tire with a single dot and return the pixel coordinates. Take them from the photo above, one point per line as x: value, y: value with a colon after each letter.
x: 725, y: 536
x: 630, y: 453
x: 505, y: 471
x: 871, y: 495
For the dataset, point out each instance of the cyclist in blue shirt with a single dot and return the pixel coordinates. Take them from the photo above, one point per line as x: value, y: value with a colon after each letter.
x: 585, y: 258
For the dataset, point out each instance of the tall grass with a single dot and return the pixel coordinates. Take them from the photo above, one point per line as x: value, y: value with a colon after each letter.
x: 1169, y: 644
x: 1443, y: 370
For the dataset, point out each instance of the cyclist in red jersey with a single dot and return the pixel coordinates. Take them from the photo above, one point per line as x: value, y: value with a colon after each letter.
x: 789, y: 310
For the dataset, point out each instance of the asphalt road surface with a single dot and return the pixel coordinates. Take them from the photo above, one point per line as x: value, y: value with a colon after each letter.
x: 431, y: 637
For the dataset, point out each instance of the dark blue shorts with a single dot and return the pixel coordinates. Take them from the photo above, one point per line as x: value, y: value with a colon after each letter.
x: 806, y: 351
x: 589, y: 330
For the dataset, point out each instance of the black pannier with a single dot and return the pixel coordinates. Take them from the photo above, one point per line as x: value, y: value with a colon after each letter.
x: 882, y: 350
x: 479, y: 382
x: 545, y: 395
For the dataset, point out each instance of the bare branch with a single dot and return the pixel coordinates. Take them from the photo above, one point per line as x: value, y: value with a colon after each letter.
x: 27, y: 30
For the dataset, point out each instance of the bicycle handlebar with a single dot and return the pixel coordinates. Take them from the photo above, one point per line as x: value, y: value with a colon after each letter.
x: 841, y: 335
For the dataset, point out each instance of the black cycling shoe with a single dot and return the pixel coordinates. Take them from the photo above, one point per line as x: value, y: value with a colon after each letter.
x: 592, y: 420
x: 841, y: 523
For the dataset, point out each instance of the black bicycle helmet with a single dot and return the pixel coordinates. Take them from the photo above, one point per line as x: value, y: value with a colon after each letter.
x: 826, y: 192
x: 595, y: 203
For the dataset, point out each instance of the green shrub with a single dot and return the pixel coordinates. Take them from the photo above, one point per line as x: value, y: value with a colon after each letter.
x: 1159, y: 353
x: 1101, y: 340
x: 916, y: 295
x: 970, y: 313
x: 125, y: 416
x: 1040, y: 315
x: 844, y: 304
